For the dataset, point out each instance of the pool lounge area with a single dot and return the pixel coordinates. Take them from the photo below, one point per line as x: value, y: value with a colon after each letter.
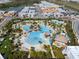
x: 38, y: 33
x: 37, y: 38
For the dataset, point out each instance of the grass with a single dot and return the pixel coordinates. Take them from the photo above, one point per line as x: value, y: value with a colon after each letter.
x: 58, y: 52
x: 9, y: 52
x: 6, y: 46
x: 40, y: 54
x: 9, y: 25
x: 36, y: 19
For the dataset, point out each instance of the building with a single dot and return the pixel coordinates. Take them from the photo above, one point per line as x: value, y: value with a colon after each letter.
x: 10, y: 13
x: 72, y: 0
x: 71, y: 52
x: 42, y: 10
x: 5, y: 1
x: 75, y: 27
x: 28, y: 12
x: 47, y: 9
x: 1, y: 57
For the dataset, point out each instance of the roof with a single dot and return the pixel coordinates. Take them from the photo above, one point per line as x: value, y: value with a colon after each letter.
x: 47, y: 7
x: 4, y: 1
x: 46, y: 4
x: 61, y: 38
x: 27, y: 9
x: 72, y: 52
x: 49, y: 10
x: 1, y: 57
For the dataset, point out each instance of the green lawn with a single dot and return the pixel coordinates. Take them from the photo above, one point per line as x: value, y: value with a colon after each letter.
x: 58, y: 52
x: 41, y: 54
x: 7, y: 48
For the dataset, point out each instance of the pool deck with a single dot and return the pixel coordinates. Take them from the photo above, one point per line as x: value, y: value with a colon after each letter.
x: 26, y: 45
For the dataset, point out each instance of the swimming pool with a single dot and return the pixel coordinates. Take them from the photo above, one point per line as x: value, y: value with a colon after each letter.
x: 43, y: 28
x: 36, y: 37
x: 26, y: 28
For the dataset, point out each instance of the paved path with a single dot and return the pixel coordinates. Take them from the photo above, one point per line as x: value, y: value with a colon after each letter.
x: 53, y: 56
x: 66, y: 57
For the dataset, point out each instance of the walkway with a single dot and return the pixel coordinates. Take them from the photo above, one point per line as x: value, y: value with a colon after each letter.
x: 53, y: 56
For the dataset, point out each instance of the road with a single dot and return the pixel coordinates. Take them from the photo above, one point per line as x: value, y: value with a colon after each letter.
x: 53, y: 56
x: 5, y: 21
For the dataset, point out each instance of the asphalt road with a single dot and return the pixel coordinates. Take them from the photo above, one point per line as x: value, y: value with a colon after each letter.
x: 5, y: 21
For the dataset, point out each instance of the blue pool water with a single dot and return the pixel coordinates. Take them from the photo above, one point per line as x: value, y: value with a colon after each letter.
x: 36, y: 37
x: 26, y: 28
x: 44, y: 29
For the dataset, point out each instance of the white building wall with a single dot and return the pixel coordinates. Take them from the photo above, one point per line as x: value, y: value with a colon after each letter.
x: 27, y: 11
x: 72, y: 52
x: 5, y: 1
x: 1, y: 57
x: 72, y: 0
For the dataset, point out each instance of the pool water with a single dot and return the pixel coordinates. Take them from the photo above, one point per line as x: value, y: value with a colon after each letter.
x: 26, y: 28
x: 44, y: 29
x: 36, y: 37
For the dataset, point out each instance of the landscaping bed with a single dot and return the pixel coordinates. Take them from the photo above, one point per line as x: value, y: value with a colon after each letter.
x: 58, y: 52
x: 69, y: 30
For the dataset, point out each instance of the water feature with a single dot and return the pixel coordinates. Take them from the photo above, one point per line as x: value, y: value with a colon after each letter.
x: 37, y: 37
